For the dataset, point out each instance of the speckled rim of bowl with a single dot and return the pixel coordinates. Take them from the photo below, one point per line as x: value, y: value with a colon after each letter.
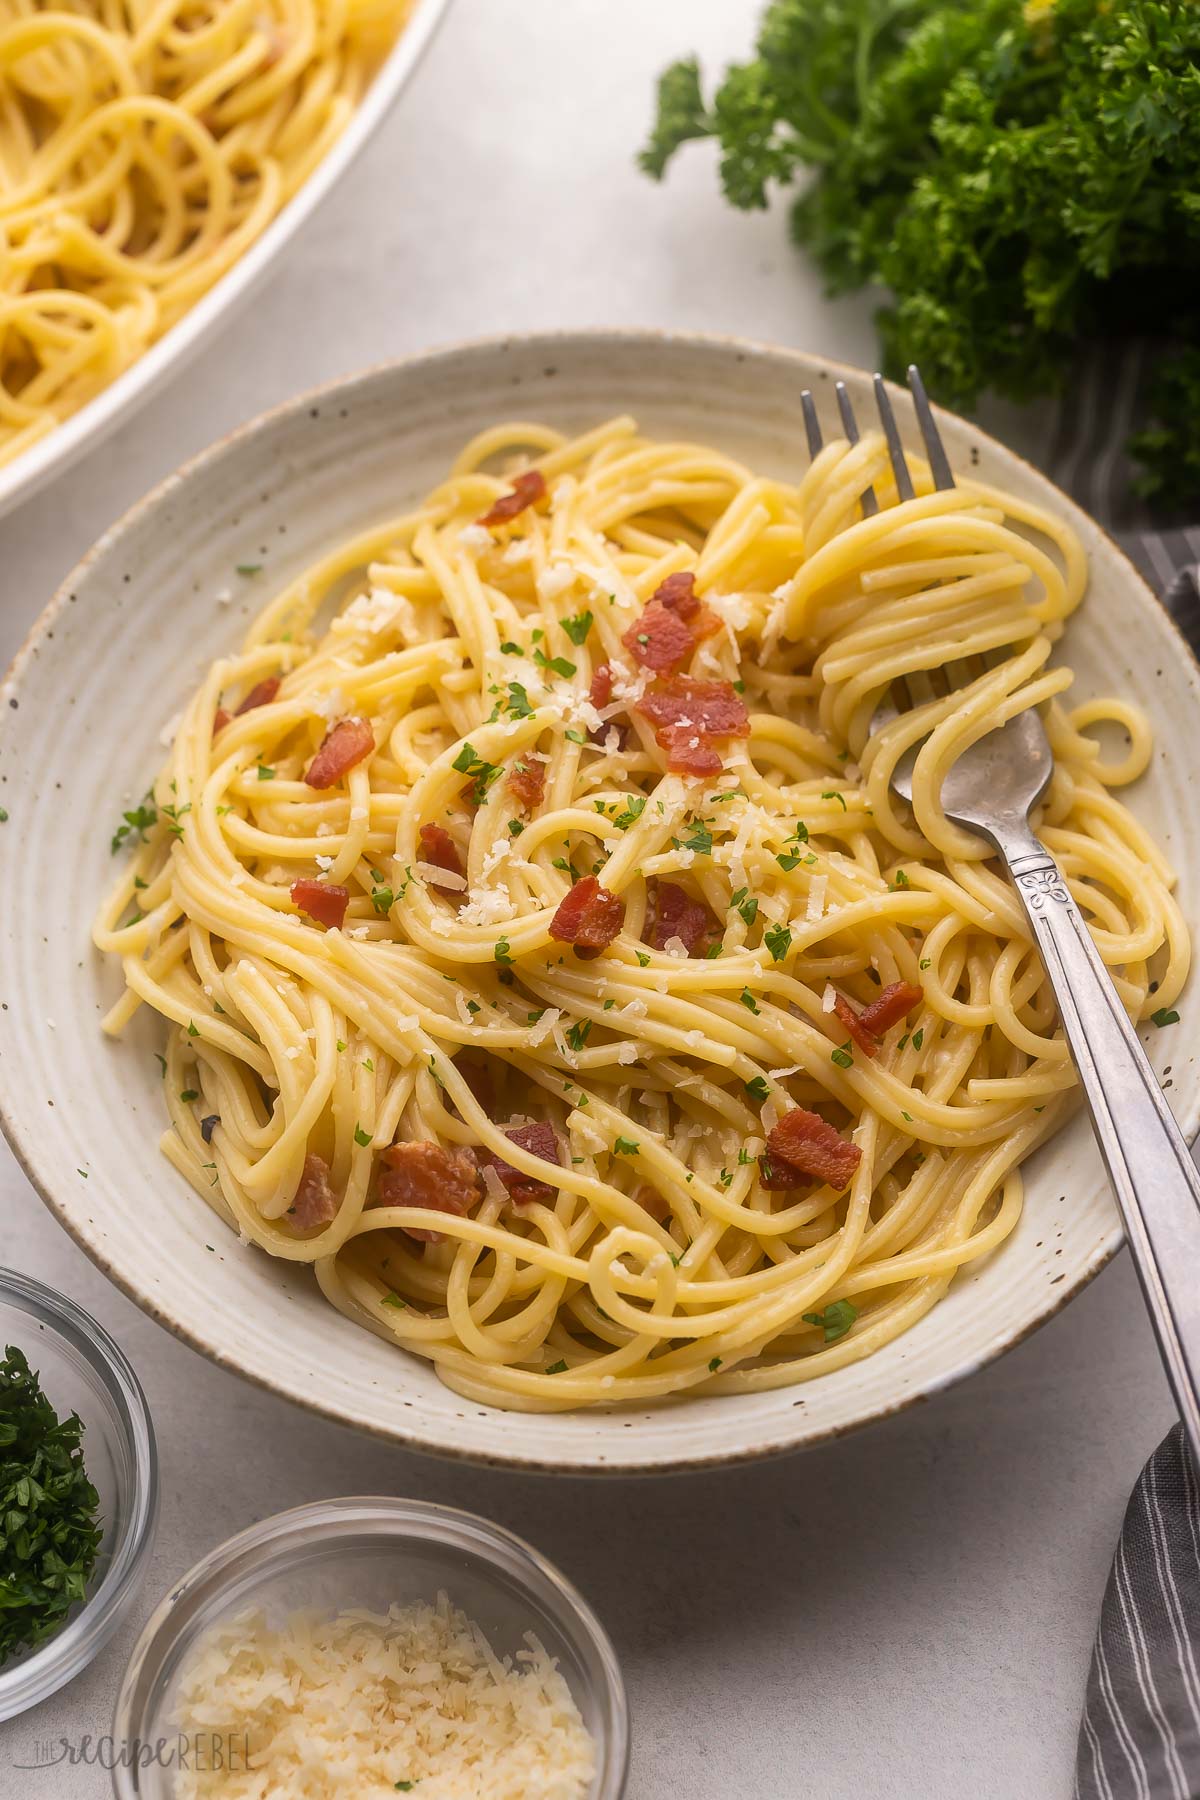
x: 381, y: 1516
x: 548, y: 342
x: 70, y: 1650
x: 53, y: 454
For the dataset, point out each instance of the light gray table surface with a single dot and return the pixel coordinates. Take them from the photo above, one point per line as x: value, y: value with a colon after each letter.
x: 908, y: 1612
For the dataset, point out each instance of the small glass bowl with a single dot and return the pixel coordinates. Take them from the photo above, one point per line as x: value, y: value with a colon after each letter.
x: 81, y: 1370
x: 337, y: 1554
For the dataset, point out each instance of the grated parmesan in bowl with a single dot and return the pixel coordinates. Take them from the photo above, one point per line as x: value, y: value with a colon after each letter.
x: 360, y: 1648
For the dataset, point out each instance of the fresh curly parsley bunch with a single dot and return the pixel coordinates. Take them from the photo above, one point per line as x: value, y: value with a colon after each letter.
x: 1022, y: 178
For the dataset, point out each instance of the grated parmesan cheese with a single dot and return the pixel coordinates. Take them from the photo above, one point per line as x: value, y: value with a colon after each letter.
x: 816, y: 898
x: 361, y: 1703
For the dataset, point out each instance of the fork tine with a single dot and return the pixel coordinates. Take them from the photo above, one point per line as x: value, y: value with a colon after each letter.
x: 891, y: 432
x: 850, y: 426
x: 939, y: 462
x: 812, y: 425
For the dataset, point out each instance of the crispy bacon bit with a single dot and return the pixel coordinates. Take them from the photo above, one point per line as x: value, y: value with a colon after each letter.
x: 323, y: 901
x: 527, y: 489
x: 659, y: 639
x: 526, y: 781
x: 656, y: 1204
x: 803, y: 1146
x: 887, y: 1009
x: 678, y: 594
x: 439, y: 849
x: 600, y: 692
x: 687, y: 715
x: 221, y: 719
x: 674, y: 914
x: 344, y: 746
x: 315, y: 1202
x: 426, y: 1174
x: 261, y: 695
x: 539, y: 1140
x: 589, y: 917
x: 853, y: 1023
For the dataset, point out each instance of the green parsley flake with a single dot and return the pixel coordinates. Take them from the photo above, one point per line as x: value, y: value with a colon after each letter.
x: 626, y: 1147
x: 843, y: 1056
x: 558, y: 1368
x: 748, y: 1001
x: 778, y: 941
x: 578, y: 627
x: 249, y: 568
x: 265, y: 774
x: 391, y: 1299
x: 835, y: 1321
x: 500, y: 953
x: 577, y: 1034
x: 918, y: 1037
x: 757, y: 1088
x: 361, y: 1137
x: 832, y: 794
x: 382, y: 899
x: 558, y: 665
x: 518, y: 702
x: 141, y: 820
x: 635, y: 806
x: 714, y: 1365
x: 1166, y: 1015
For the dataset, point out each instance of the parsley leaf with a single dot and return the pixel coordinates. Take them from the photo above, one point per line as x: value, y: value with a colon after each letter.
x: 778, y: 941
x: 578, y: 627
x: 757, y: 1089
x: 843, y: 1056
x: 1166, y: 1015
x: 835, y: 1321
x: 624, y: 1146
x: 141, y: 820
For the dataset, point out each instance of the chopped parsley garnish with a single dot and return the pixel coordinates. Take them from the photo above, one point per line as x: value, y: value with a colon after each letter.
x: 558, y: 665
x: 249, y: 568
x: 1166, y: 1015
x: 382, y: 899
x: 835, y: 1321
x: 173, y: 815
x: 341, y: 1045
x: 748, y: 1001
x: 4, y: 821
x: 788, y: 859
x: 576, y: 737
x: 193, y: 1029
x: 188, y: 1095
x: 918, y: 1037
x: 390, y: 1299
x: 501, y: 953
x: 624, y: 1146
x: 49, y: 1507
x: 843, y: 1056
x: 558, y: 1368
x: 778, y: 941
x: 362, y: 1138
x: 924, y: 963
x: 142, y: 819
x: 518, y: 702
x: 265, y: 774
x: 757, y: 1088
x: 635, y: 806
x: 578, y: 627
x: 701, y: 840
x: 714, y: 1364
x: 483, y: 773
x: 577, y: 1034
x: 511, y: 649
x: 832, y: 794
x: 643, y: 959
x: 747, y: 907
x: 161, y: 1060
x: 901, y: 880
x: 515, y: 827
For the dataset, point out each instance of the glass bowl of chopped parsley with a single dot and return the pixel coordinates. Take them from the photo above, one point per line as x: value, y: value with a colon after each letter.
x: 78, y: 1490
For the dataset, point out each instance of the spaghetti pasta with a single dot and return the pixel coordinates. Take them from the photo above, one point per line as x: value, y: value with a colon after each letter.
x: 144, y: 145
x: 586, y: 1076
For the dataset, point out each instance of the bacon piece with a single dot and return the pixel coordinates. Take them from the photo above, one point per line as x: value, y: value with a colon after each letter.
x: 539, y: 1140
x: 894, y: 1003
x: 854, y: 1025
x: 656, y: 1204
x: 600, y: 692
x: 221, y: 719
x: 887, y: 1009
x: 261, y: 695
x: 527, y: 488
x: 475, y: 1067
x: 674, y: 914
x: 589, y: 917
x: 439, y: 848
x: 526, y: 780
x: 344, y: 746
x: 659, y: 639
x: 315, y: 1202
x: 323, y: 901
x: 426, y: 1174
x: 805, y: 1146
x: 678, y: 594
x: 687, y: 714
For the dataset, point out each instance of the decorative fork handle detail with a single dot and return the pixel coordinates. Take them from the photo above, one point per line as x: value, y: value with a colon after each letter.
x: 1155, y: 1180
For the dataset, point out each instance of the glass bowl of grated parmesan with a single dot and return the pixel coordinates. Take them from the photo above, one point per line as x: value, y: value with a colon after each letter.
x: 372, y: 1646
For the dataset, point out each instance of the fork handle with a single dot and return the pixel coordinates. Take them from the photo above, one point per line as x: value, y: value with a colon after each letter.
x: 1151, y: 1169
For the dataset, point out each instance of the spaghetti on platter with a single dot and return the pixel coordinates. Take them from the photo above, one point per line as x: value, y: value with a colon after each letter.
x: 144, y: 145
x: 545, y: 957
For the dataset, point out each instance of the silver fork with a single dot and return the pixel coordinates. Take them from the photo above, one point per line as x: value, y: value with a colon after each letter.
x: 991, y: 789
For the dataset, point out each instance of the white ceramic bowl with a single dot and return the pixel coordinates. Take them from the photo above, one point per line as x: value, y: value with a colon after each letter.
x: 63, y: 446
x: 120, y: 649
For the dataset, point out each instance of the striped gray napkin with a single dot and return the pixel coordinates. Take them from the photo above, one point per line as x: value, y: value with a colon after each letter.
x: 1139, y: 1738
